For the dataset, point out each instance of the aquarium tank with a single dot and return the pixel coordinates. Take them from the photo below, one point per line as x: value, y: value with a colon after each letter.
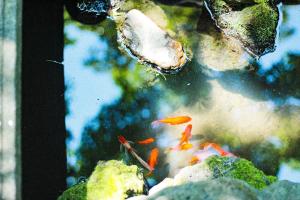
x: 182, y: 99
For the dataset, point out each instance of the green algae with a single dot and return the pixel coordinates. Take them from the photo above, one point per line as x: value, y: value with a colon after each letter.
x: 76, y: 192
x: 240, y: 169
x: 110, y: 180
x: 258, y: 22
x: 254, y: 25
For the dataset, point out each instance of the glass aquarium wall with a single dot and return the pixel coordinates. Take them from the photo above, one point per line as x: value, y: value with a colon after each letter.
x: 149, y: 60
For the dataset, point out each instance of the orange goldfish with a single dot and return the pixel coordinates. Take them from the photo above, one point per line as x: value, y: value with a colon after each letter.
x: 194, y: 160
x: 186, y: 134
x: 181, y: 147
x: 216, y: 147
x: 186, y: 146
x: 126, y: 144
x: 173, y: 120
x: 184, y: 140
x: 153, y: 158
x: 202, y: 155
x: 146, y: 141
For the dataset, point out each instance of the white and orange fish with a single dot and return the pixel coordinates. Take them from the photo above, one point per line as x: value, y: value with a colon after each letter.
x: 201, y: 155
x: 216, y: 147
x: 209, y: 149
x: 173, y: 120
x: 128, y: 147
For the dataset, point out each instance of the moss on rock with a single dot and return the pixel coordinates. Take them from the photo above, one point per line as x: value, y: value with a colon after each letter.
x: 253, y: 25
x: 109, y: 180
x: 240, y: 169
x: 76, y: 192
x: 216, y: 167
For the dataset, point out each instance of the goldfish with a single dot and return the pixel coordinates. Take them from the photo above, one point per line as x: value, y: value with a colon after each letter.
x: 181, y: 147
x: 127, y: 146
x: 186, y: 134
x: 209, y: 149
x: 216, y: 147
x: 173, y: 120
x: 186, y: 146
x: 184, y: 140
x: 146, y: 141
x: 153, y: 158
x: 201, y: 155
x: 194, y: 160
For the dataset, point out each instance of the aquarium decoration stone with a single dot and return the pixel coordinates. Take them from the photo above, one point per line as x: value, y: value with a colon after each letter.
x: 97, y: 6
x: 222, y: 178
x: 252, y: 22
x: 151, y: 45
x: 282, y: 190
x: 164, y: 35
x: 227, y: 189
x: 216, y: 167
x: 223, y: 188
x: 239, y: 168
x: 89, y: 12
x: 76, y: 192
x: 109, y: 180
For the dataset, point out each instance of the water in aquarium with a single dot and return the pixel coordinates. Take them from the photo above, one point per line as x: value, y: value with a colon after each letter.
x: 168, y: 84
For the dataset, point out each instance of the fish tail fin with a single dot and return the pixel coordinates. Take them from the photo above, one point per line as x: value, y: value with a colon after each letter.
x: 155, y: 124
x: 228, y: 154
x: 149, y: 173
x: 194, y: 160
x: 121, y: 148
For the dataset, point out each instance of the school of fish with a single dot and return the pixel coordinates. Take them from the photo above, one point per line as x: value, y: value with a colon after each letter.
x: 205, y: 150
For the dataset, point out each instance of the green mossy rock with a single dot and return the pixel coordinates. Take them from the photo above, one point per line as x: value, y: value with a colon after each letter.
x: 239, y: 168
x: 253, y: 23
x: 76, y: 192
x: 226, y: 189
x: 218, y: 167
x: 110, y: 180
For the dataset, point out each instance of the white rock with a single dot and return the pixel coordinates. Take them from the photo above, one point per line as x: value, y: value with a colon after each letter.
x: 146, y: 41
x: 167, y: 182
x: 194, y: 173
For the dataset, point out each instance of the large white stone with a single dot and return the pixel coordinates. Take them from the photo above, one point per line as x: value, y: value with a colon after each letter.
x: 150, y: 44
